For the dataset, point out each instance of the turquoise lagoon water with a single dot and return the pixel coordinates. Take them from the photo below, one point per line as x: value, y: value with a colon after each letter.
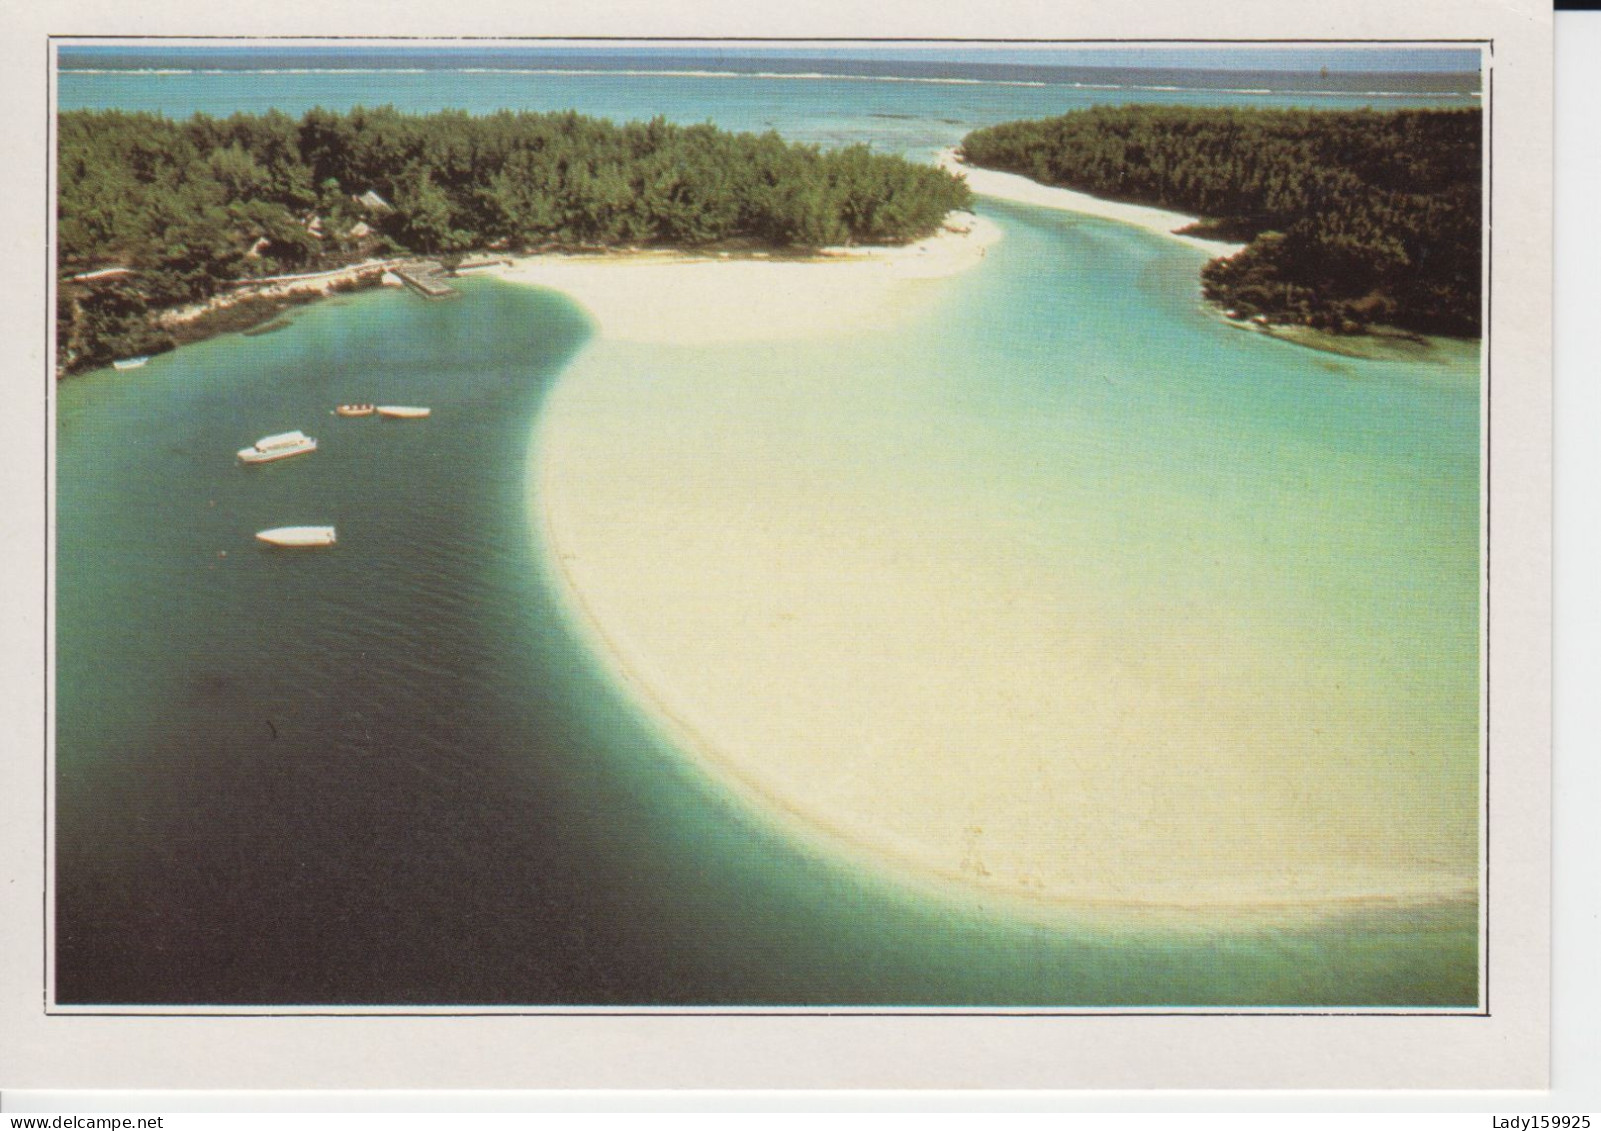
x: 912, y: 108
x: 393, y: 774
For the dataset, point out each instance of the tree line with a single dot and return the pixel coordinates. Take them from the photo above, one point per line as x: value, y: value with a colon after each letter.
x: 1352, y: 218
x: 191, y: 206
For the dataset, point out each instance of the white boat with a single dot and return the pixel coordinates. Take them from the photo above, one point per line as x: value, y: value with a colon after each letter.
x: 281, y: 446
x: 355, y: 410
x: 129, y: 362
x: 297, y: 536
x: 402, y: 412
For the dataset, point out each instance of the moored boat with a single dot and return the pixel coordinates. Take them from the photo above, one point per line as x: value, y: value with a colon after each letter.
x: 355, y: 410
x: 297, y: 536
x: 402, y: 412
x: 129, y: 362
x: 279, y: 446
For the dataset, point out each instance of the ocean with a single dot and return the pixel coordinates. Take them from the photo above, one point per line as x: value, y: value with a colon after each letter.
x: 397, y: 774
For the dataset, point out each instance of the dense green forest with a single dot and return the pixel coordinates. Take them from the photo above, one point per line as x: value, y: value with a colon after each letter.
x: 1353, y: 217
x: 191, y: 206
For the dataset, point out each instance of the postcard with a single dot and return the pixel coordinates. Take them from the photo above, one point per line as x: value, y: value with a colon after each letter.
x: 971, y: 549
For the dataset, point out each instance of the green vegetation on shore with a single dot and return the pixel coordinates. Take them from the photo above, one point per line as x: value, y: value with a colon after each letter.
x: 1352, y: 218
x: 190, y: 207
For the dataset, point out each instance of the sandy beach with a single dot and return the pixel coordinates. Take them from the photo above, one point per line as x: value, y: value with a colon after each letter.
x: 844, y: 647
x: 678, y: 299
x: 1021, y: 190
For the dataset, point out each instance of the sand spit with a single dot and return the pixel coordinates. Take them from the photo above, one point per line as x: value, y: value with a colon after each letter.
x: 851, y: 648
x: 1021, y: 190
x: 672, y: 298
x: 923, y: 717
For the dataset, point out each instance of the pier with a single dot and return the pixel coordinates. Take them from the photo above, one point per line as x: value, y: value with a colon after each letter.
x: 426, y: 278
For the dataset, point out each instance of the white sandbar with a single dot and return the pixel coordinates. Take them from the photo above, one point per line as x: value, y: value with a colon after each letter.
x: 852, y: 647
x: 677, y: 299
x: 1021, y: 190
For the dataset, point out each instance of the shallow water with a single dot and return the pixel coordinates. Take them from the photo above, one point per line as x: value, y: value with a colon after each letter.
x: 1083, y: 540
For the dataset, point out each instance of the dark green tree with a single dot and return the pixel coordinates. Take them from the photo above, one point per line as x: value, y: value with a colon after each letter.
x: 1352, y: 217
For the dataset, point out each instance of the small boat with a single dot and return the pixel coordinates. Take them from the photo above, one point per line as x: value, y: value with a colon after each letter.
x: 129, y: 362
x: 297, y: 536
x: 281, y: 446
x: 402, y: 412
x: 355, y: 410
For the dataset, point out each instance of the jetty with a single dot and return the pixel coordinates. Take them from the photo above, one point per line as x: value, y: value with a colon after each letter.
x: 424, y: 277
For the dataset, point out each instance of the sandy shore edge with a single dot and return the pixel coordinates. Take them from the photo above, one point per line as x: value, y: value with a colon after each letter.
x: 679, y: 298
x: 1021, y: 190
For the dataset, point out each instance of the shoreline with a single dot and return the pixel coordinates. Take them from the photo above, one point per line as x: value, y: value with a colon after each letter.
x: 279, y: 288
x: 641, y: 294
x: 246, y: 304
x: 684, y: 298
x: 1019, y: 189
x: 1376, y: 343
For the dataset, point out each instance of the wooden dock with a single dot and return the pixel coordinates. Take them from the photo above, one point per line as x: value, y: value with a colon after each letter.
x: 427, y: 279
